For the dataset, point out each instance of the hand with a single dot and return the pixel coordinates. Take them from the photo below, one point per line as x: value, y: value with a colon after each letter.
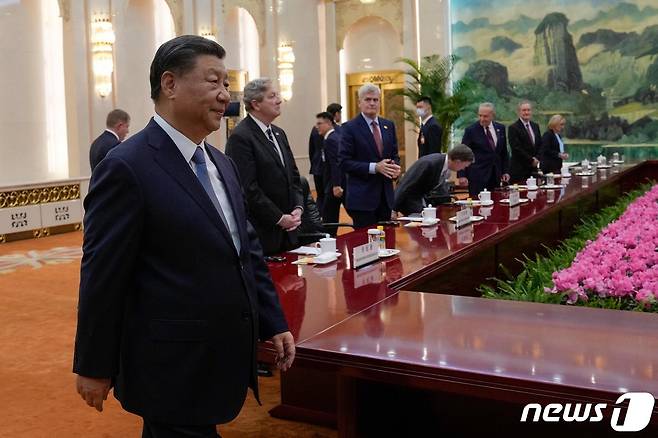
x: 338, y: 191
x: 297, y: 213
x: 462, y: 181
x: 290, y: 222
x: 284, y: 344
x: 505, y: 177
x: 93, y: 390
x: 535, y: 162
x: 388, y: 168
x: 564, y: 156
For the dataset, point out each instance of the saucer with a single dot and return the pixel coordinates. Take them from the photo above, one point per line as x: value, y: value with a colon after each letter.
x: 474, y: 203
x: 604, y: 166
x: 473, y: 219
x: 551, y: 186
x: 506, y: 201
x: 585, y: 174
x: 388, y: 252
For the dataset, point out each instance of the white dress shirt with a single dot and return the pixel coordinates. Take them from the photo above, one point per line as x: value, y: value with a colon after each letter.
x: 371, y: 168
x: 492, y: 129
x: 113, y: 133
x: 264, y: 128
x: 187, y: 148
x: 528, y: 128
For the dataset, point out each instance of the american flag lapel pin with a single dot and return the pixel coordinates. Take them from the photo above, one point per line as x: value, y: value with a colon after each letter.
x: 385, y: 127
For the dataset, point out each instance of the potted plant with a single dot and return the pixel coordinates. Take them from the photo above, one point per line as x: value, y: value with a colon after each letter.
x: 431, y: 78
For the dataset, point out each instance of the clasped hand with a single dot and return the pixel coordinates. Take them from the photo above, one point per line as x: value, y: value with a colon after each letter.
x: 388, y: 168
x: 290, y: 222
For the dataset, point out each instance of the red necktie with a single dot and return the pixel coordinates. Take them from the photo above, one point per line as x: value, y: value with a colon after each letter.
x: 532, y: 137
x: 378, y: 138
x: 492, y: 143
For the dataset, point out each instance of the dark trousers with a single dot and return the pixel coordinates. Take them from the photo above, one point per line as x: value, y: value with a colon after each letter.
x: 154, y: 429
x: 493, y: 183
x: 362, y: 219
x: 319, y: 190
x: 331, y: 211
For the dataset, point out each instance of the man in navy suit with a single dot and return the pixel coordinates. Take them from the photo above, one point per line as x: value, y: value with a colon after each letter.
x: 487, y: 140
x: 316, y: 153
x: 368, y: 154
x: 333, y: 177
x: 429, y: 137
x: 174, y: 293
x: 117, y: 127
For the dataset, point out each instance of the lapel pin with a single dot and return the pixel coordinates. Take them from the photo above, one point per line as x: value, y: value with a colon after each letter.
x: 385, y: 127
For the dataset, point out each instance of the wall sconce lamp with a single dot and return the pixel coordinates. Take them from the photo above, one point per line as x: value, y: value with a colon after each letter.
x: 208, y: 34
x: 102, y: 45
x: 368, y: 2
x: 286, y: 74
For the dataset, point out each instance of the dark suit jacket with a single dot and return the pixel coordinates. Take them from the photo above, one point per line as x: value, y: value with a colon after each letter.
x: 487, y: 160
x: 356, y: 151
x: 523, y: 150
x: 421, y: 179
x: 272, y: 190
x: 332, y: 175
x: 431, y: 133
x: 549, y: 159
x: 315, y: 141
x: 100, y: 147
x: 168, y: 308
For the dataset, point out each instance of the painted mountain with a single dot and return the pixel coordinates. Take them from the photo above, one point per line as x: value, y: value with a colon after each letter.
x: 595, y: 61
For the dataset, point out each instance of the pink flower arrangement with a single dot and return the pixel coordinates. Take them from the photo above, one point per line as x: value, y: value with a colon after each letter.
x: 621, y: 262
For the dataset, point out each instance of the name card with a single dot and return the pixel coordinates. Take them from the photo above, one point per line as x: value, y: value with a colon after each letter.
x: 514, y: 213
x: 61, y: 213
x: 550, y: 196
x: 463, y: 217
x: 15, y: 220
x: 365, y: 254
x: 514, y: 198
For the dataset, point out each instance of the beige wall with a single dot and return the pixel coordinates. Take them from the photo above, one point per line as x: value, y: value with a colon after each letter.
x: 316, y: 28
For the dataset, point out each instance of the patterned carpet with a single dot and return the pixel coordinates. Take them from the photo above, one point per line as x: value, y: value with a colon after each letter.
x: 38, y: 297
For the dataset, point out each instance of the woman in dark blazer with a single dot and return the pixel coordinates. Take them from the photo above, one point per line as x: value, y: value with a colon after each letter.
x: 552, y: 147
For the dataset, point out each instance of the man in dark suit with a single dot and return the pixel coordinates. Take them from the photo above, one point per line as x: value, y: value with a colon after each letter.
x: 174, y: 292
x: 427, y: 176
x: 487, y: 140
x: 117, y: 127
x: 333, y: 177
x: 368, y: 154
x: 269, y: 174
x: 525, y: 143
x: 317, y: 156
x: 429, y: 137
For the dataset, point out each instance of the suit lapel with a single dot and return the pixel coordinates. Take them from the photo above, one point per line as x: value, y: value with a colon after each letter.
x: 230, y: 186
x: 365, y: 130
x: 266, y: 143
x: 170, y: 159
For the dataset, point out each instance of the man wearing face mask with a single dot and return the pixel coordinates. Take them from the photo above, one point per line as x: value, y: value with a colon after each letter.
x: 429, y: 137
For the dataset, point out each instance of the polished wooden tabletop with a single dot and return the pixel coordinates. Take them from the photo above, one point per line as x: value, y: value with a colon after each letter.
x: 600, y: 350
x: 316, y: 297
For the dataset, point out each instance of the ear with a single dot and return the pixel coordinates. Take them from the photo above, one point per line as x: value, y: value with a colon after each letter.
x: 168, y: 85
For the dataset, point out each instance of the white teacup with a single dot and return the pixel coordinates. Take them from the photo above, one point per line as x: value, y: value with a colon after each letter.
x: 531, y: 182
x: 615, y: 156
x: 550, y: 179
x: 327, y: 244
x: 565, y: 171
x: 429, y: 214
x: 484, y: 196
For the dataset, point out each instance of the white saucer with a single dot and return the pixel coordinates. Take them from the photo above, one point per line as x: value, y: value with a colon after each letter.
x: 506, y: 201
x: 585, y: 174
x: 604, y: 166
x: 473, y: 219
x: 474, y: 203
x: 551, y: 186
x: 617, y: 161
x: 528, y: 188
x: 388, y: 252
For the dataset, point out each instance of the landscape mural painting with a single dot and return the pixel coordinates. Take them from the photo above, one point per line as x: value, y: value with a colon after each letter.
x: 593, y: 61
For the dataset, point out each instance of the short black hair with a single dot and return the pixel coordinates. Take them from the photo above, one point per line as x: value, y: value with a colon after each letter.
x: 178, y: 55
x: 334, y: 108
x: 425, y: 99
x: 325, y: 115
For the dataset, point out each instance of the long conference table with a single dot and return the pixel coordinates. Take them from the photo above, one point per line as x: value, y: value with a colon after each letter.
x: 407, y: 342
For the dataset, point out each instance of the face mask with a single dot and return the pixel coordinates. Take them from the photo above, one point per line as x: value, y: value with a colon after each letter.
x: 420, y: 112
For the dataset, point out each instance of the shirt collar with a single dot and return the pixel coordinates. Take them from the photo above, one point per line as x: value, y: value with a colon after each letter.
x: 369, y: 120
x: 186, y: 146
x: 328, y: 133
x: 113, y: 133
x: 524, y: 122
x: 260, y: 124
x: 427, y: 118
x: 445, y: 165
